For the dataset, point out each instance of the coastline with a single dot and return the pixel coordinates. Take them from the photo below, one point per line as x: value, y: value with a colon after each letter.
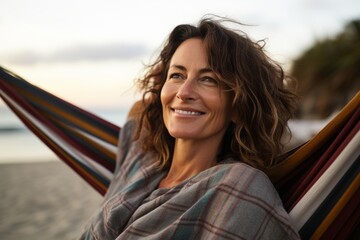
x: 44, y: 200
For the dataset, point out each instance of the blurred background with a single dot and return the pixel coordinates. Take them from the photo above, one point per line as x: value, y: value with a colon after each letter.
x: 90, y: 52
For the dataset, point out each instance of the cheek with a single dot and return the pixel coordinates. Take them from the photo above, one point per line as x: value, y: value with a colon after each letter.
x: 165, y: 97
x: 167, y: 94
x: 223, y: 108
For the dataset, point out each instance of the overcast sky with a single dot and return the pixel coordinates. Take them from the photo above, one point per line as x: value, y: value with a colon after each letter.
x: 89, y: 52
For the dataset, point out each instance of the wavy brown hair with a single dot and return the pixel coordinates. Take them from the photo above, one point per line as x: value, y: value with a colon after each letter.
x: 261, y: 99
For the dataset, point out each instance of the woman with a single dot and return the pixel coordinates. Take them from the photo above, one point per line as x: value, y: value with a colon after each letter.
x: 190, y: 160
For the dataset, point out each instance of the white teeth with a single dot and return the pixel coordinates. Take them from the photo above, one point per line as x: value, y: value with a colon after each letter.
x: 186, y: 112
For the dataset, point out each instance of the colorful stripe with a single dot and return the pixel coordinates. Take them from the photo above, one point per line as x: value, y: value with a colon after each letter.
x: 319, y: 182
x: 82, y: 140
x: 335, y: 203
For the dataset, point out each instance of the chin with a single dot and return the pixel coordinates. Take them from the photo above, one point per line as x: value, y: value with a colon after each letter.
x: 182, y: 134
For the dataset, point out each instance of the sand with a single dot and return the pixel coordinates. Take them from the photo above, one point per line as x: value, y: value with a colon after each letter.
x: 44, y: 201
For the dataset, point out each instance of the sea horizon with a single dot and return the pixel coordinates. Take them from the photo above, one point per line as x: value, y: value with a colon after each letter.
x: 19, y: 145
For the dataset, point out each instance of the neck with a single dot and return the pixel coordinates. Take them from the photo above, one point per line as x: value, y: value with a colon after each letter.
x: 189, y: 159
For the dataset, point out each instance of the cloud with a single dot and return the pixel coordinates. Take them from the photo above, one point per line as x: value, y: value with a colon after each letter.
x: 80, y: 53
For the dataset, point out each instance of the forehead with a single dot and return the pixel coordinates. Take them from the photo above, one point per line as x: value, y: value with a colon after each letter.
x: 191, y: 52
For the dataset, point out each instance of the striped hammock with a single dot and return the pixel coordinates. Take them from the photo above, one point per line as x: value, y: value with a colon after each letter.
x: 318, y: 182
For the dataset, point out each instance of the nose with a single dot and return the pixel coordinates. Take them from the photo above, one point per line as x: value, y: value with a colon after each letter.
x: 187, y: 91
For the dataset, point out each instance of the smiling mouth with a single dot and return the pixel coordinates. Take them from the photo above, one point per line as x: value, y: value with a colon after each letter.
x: 185, y: 112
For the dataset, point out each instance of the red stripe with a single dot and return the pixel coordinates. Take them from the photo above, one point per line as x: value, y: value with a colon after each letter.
x: 96, y: 184
x: 345, y: 223
x: 92, y: 181
x: 62, y: 154
x: 40, y: 117
x: 89, y: 115
x: 311, y: 169
x: 325, y: 161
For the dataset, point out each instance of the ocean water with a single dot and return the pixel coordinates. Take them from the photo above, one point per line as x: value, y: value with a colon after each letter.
x: 18, y: 144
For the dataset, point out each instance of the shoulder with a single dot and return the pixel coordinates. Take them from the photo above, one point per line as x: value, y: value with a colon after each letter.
x: 238, y: 182
x: 138, y: 108
x: 243, y: 177
x: 126, y: 144
x: 126, y: 133
x: 245, y: 197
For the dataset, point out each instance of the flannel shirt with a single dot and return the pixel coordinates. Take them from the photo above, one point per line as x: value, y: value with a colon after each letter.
x: 228, y: 201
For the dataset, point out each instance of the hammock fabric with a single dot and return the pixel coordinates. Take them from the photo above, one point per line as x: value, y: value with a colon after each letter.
x: 318, y: 182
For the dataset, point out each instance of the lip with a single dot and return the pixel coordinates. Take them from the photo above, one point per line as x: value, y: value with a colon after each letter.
x: 186, y: 111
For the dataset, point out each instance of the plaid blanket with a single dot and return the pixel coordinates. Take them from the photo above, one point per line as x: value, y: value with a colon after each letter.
x: 229, y: 201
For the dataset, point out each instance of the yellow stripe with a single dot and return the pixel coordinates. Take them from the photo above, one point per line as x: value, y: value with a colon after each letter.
x: 66, y: 157
x: 93, y: 130
x: 350, y: 191
x: 91, y: 142
x: 293, y: 161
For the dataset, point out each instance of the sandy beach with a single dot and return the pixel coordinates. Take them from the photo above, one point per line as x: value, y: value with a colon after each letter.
x: 44, y: 201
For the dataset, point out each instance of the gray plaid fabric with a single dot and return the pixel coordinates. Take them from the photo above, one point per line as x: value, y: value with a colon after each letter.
x: 229, y: 201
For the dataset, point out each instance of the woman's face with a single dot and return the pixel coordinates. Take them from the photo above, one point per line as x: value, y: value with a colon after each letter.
x: 194, y: 105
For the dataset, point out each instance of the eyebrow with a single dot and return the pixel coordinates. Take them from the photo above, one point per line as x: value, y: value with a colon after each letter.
x: 203, y: 70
